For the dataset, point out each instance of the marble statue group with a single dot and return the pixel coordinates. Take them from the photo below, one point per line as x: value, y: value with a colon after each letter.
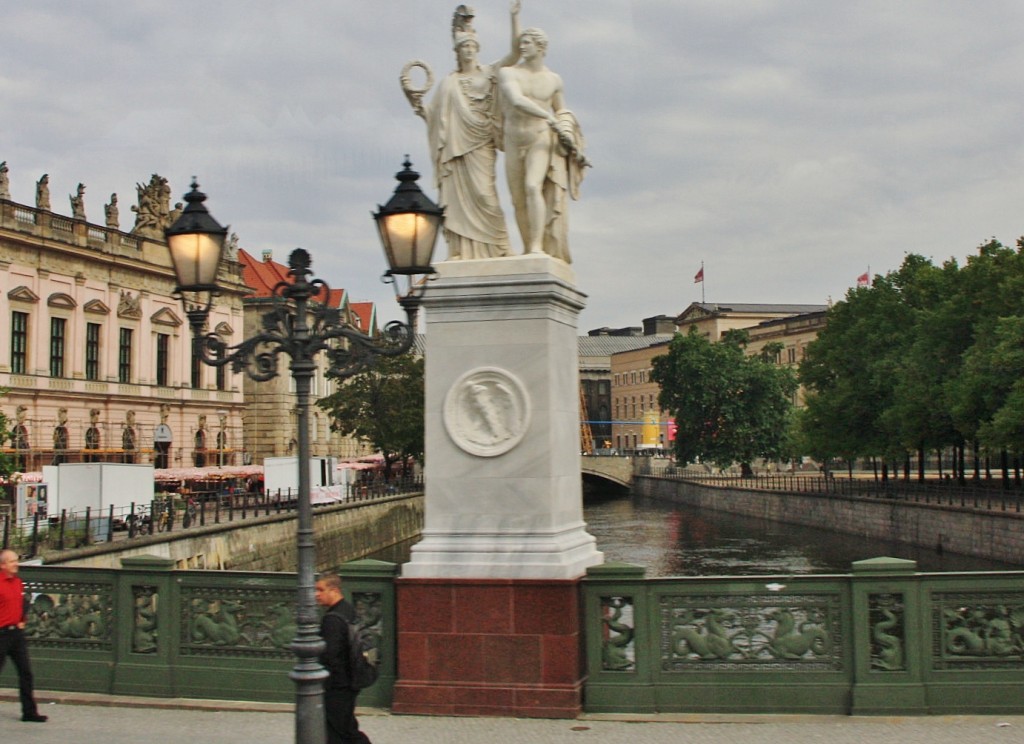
x: 515, y: 105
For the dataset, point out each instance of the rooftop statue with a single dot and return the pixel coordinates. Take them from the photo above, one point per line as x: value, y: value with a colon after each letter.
x: 463, y: 131
x: 43, y: 193
x: 112, y: 214
x: 5, y: 184
x: 231, y: 247
x: 153, y: 211
x: 78, y: 203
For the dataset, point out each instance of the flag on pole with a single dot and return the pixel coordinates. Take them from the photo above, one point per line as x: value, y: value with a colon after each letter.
x: 864, y: 280
x: 699, y: 276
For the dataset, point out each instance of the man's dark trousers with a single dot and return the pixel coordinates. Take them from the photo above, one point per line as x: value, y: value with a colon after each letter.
x: 13, y: 644
x: 340, y: 710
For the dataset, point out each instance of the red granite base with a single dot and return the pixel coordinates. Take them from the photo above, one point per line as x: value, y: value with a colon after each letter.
x: 489, y: 647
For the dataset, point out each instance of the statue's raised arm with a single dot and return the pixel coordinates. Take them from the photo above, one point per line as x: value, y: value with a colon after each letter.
x: 513, y: 54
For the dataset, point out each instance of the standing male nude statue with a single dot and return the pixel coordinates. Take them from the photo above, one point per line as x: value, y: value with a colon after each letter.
x: 544, y: 158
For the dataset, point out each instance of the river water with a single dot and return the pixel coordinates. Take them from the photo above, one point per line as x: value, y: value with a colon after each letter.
x: 673, y: 540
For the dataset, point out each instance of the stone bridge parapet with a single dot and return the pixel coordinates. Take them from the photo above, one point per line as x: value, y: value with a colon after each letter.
x: 615, y: 468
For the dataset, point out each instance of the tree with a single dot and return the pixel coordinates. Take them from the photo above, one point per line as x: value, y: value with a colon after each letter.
x: 985, y: 395
x: 936, y: 334
x: 991, y: 389
x: 728, y: 407
x: 383, y: 405
x: 925, y: 359
x: 849, y: 373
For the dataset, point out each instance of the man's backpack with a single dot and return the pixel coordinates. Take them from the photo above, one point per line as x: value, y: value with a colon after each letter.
x: 362, y: 657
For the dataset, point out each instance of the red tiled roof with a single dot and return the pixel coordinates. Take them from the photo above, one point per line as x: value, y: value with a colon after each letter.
x: 365, y: 316
x: 262, y: 276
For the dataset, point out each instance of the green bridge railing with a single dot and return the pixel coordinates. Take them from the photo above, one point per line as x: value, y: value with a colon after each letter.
x: 880, y: 640
x: 146, y: 629
x: 883, y: 639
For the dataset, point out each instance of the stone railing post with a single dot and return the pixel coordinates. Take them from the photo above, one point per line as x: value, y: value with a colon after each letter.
x: 888, y: 642
x: 370, y: 586
x: 621, y: 653
x: 148, y: 627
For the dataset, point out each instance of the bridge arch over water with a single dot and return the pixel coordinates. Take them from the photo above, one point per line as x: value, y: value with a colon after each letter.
x: 603, y: 470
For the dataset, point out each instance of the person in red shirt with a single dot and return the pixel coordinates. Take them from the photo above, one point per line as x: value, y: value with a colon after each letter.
x: 13, y: 608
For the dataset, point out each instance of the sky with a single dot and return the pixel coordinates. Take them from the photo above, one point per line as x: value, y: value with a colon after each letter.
x: 788, y: 145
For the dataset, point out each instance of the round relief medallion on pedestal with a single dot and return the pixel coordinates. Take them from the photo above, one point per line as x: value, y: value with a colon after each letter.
x: 486, y: 411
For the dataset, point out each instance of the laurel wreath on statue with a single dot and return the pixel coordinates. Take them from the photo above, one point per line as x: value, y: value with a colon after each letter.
x: 415, y: 95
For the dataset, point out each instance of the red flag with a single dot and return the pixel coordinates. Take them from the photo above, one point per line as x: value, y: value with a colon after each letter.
x: 699, y: 277
x: 864, y: 280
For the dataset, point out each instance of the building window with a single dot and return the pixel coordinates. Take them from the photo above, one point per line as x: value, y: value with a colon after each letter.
x: 19, y: 343
x: 791, y: 355
x: 197, y: 374
x: 58, y: 334
x: 92, y: 351
x: 222, y: 371
x: 124, y: 356
x: 163, y: 345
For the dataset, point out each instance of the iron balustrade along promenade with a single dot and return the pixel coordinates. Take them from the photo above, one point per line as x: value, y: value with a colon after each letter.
x: 72, y: 529
x: 995, y: 495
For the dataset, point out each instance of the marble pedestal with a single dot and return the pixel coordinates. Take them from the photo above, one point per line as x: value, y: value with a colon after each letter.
x: 503, y: 484
x: 489, y: 601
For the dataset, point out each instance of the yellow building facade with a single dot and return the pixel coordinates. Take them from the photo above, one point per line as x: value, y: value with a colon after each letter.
x: 639, y: 424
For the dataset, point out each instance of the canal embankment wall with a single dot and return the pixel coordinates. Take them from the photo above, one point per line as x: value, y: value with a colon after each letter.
x: 343, y: 532
x: 994, y: 535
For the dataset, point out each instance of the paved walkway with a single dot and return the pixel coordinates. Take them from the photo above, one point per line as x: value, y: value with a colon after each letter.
x: 128, y: 720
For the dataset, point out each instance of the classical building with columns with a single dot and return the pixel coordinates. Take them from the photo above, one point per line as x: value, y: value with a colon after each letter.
x: 94, y: 350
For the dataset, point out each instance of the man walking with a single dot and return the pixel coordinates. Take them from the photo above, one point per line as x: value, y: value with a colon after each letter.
x: 13, y: 609
x: 339, y: 695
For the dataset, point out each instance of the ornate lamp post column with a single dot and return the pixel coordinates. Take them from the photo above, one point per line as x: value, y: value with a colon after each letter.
x: 300, y: 327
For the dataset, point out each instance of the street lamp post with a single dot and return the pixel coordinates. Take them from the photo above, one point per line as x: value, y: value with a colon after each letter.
x: 301, y: 325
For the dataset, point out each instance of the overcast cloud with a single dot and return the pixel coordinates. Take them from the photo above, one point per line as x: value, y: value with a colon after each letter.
x: 788, y: 144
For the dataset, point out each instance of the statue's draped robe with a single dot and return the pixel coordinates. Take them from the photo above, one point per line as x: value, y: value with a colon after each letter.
x: 565, y: 173
x: 462, y: 131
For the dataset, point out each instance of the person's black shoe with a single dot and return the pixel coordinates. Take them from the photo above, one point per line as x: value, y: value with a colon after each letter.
x: 35, y: 718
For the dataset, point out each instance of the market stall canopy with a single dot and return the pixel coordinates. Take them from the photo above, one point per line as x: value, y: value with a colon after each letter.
x: 208, y: 474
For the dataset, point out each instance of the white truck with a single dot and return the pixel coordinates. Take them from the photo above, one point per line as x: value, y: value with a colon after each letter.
x: 73, y: 487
